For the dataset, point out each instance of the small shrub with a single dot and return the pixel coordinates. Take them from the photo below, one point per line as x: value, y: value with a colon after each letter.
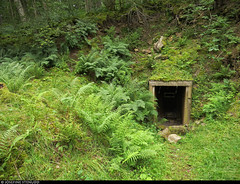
x: 78, y: 33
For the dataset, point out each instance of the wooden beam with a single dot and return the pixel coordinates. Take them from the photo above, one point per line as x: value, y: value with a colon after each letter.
x: 170, y: 83
x: 185, y: 113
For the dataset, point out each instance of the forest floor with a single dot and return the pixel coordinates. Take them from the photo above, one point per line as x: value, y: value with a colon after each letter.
x: 53, y: 142
x: 210, y: 151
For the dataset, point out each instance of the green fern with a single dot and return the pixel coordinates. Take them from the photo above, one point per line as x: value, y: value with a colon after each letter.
x: 66, y: 100
x: 130, y: 98
x: 116, y: 47
x: 92, y: 112
x: 139, y: 145
x: 109, y: 64
x: 15, y: 75
x: 6, y: 139
x: 127, y: 139
x: 114, y: 95
x: 85, y: 62
x: 87, y: 88
x: 103, y: 65
x: 9, y: 139
x: 219, y: 99
x: 131, y: 157
x: 107, y: 122
x: 225, y: 72
x: 148, y: 153
x: 87, y: 118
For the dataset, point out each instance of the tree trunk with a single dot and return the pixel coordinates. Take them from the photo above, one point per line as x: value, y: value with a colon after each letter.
x: 10, y: 6
x: 20, y: 10
x: 88, y: 5
x: 34, y: 8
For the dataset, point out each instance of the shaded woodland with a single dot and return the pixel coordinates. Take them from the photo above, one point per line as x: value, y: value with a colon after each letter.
x: 74, y: 89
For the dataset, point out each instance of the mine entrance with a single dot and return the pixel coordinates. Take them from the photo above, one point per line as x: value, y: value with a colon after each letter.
x: 173, y: 101
x: 170, y: 104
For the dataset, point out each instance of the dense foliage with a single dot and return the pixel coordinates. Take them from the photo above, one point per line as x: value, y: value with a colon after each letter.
x: 74, y: 98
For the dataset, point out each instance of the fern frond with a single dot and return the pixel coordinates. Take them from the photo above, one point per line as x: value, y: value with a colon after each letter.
x: 74, y: 82
x: 116, y: 47
x: 81, y: 91
x: 6, y: 139
x: 87, y: 118
x: 14, y: 75
x: 132, y: 157
x: 106, y: 125
x: 148, y: 153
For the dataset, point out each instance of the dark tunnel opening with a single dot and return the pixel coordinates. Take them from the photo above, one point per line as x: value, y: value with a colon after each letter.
x: 170, y: 101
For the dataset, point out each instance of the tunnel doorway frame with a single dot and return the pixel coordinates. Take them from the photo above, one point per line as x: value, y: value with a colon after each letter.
x: 187, y: 96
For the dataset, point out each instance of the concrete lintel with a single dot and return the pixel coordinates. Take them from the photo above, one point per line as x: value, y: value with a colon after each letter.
x: 171, y: 83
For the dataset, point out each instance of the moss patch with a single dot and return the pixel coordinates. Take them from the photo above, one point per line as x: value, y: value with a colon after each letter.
x: 177, y: 65
x: 5, y: 94
x: 169, y: 71
x: 235, y: 107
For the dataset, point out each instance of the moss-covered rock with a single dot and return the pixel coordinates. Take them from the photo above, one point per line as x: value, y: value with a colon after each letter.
x: 180, y: 130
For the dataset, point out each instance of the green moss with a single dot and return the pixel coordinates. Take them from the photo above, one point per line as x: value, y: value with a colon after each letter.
x: 178, y: 64
x: 167, y: 71
x: 180, y: 130
x: 235, y: 107
x: 5, y: 94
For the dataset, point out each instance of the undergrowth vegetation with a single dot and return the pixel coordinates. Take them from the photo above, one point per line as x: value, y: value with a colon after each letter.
x: 74, y: 98
x: 109, y: 64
